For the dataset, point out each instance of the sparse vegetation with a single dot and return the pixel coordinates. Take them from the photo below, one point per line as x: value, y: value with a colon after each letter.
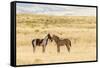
x: 81, y: 30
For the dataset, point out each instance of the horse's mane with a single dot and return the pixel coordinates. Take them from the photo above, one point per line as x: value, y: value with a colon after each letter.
x: 56, y: 37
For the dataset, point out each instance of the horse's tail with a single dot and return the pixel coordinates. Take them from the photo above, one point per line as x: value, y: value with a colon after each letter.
x: 33, y: 45
x: 33, y: 42
x: 69, y: 42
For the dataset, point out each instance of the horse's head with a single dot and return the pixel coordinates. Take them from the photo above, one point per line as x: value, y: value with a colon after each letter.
x: 50, y: 38
x: 55, y: 37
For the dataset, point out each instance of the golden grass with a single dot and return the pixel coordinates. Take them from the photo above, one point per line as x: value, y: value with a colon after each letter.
x: 81, y: 30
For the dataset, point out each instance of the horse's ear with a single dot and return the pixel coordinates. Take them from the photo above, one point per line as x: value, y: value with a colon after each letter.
x: 48, y: 33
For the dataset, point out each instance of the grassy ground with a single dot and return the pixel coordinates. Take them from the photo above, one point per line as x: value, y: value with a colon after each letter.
x: 81, y: 30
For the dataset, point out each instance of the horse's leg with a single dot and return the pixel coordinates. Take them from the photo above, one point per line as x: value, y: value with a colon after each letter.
x: 43, y: 48
x: 68, y: 47
x: 58, y: 48
x: 33, y: 48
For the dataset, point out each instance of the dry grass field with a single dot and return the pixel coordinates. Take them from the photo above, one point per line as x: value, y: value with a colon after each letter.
x: 81, y: 30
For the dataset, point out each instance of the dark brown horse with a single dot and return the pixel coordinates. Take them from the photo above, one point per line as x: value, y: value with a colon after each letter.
x: 61, y: 42
x: 41, y: 42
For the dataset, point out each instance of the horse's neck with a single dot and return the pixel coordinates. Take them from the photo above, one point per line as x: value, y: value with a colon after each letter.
x: 56, y: 39
x: 45, y: 39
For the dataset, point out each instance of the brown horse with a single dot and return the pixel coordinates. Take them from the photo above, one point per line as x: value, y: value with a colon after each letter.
x: 61, y: 42
x: 41, y: 42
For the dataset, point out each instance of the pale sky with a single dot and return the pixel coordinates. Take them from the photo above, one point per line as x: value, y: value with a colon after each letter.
x: 59, y: 10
